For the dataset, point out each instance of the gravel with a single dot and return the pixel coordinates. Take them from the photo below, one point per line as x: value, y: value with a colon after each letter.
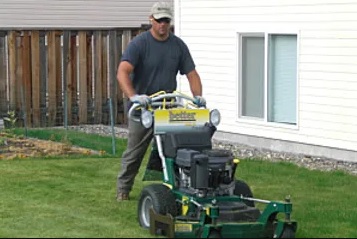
x: 245, y: 152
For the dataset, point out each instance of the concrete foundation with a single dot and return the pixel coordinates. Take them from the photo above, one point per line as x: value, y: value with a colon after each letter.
x: 287, y: 146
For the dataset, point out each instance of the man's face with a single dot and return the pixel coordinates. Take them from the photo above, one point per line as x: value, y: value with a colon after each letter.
x: 161, y: 26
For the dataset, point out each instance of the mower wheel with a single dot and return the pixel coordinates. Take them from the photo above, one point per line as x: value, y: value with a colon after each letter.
x: 242, y: 188
x: 158, y: 197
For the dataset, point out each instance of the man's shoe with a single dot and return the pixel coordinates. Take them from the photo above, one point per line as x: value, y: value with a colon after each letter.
x: 122, y: 197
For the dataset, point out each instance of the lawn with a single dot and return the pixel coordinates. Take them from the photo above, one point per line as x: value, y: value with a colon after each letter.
x: 75, y: 197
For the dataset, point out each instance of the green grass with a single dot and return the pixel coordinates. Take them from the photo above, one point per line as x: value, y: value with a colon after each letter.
x: 64, y: 198
x: 76, y: 197
x: 324, y: 203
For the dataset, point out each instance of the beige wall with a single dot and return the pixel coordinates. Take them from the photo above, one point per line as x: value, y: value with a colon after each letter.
x: 74, y: 13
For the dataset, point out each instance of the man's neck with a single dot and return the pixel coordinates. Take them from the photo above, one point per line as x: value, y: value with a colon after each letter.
x: 159, y: 37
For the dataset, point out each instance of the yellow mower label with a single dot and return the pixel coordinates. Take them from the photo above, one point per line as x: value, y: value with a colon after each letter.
x: 173, y: 120
x: 183, y: 227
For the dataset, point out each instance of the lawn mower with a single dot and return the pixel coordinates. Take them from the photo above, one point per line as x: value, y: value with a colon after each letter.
x: 198, y: 195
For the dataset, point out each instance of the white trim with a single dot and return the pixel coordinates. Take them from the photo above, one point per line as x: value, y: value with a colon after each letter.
x: 298, y: 38
x: 266, y: 66
x: 238, y: 108
x: 266, y: 30
x: 261, y: 122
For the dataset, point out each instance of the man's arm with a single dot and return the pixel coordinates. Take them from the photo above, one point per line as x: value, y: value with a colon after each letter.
x: 123, y: 77
x: 195, y: 83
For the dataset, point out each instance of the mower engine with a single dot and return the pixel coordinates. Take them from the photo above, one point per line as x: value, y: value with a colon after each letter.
x: 205, y: 174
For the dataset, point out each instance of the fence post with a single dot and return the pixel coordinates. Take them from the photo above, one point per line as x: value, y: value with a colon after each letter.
x: 26, y: 78
x: 112, y: 71
x: 98, y: 72
x: 43, y: 79
x: 126, y: 38
x: 83, y: 89
x: 12, y: 69
x: 35, y: 72
x: 65, y: 60
x: 3, y: 74
x: 52, y: 81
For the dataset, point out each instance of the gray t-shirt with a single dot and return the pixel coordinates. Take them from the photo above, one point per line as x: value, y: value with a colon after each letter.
x: 156, y: 63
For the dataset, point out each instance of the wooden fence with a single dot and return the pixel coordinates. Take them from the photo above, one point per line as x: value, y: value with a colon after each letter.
x: 49, y: 77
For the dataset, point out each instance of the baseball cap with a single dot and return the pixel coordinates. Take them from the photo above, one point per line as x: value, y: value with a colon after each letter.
x: 161, y: 10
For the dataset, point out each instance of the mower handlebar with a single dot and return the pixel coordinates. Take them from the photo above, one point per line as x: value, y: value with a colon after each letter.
x: 159, y: 100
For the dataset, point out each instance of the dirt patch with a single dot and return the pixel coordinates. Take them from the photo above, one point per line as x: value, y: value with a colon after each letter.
x: 16, y: 147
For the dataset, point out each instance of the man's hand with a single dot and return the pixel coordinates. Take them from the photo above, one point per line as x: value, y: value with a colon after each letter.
x: 143, y: 100
x: 199, y: 101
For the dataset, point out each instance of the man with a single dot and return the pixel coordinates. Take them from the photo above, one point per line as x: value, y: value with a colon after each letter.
x: 150, y: 64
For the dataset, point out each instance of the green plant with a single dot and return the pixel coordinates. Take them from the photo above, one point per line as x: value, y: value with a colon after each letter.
x: 2, y: 141
x: 52, y: 137
x: 11, y: 119
x: 67, y: 145
x: 77, y: 138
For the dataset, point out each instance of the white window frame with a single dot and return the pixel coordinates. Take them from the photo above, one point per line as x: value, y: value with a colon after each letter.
x: 263, y: 121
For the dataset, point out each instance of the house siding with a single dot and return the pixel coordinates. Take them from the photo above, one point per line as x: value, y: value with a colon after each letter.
x: 327, y: 66
x: 22, y: 14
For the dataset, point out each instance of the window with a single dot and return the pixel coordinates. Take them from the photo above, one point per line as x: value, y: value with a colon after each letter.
x: 268, y: 77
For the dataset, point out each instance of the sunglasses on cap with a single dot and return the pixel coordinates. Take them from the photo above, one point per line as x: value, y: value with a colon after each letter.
x: 164, y: 19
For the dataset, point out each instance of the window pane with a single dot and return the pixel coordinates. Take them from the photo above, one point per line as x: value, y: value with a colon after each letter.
x: 252, y: 77
x: 282, y: 78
